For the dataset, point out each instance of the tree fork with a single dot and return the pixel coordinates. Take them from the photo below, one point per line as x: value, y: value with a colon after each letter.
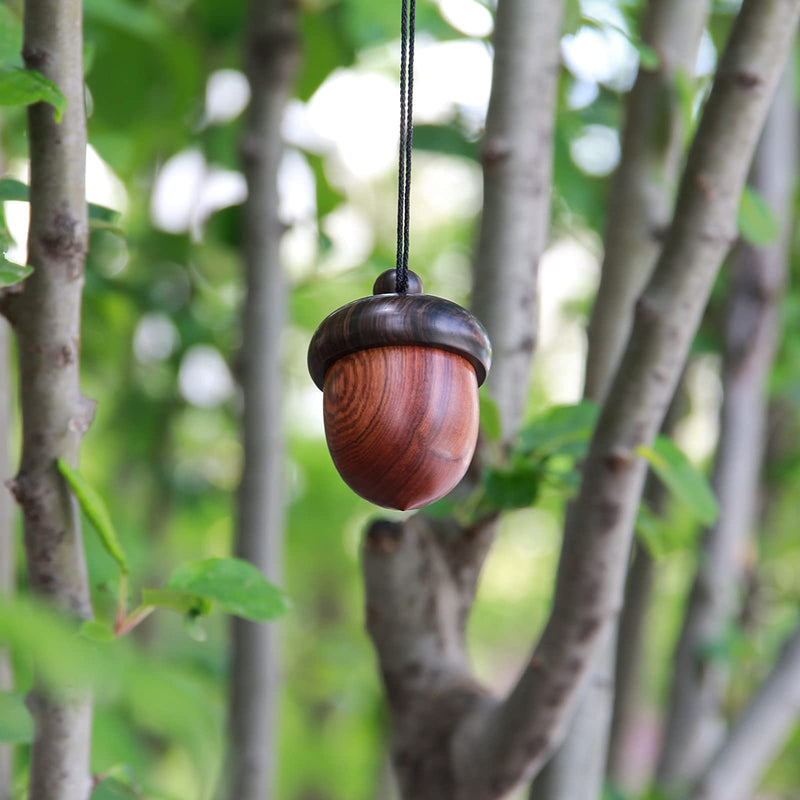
x: 489, y: 746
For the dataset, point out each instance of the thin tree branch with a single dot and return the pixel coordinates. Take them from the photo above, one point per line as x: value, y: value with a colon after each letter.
x: 272, y: 56
x: 695, y: 724
x: 643, y: 190
x: 517, y: 169
x: 46, y: 314
x: 759, y: 732
x: 632, y: 625
x: 501, y: 744
x: 642, y: 197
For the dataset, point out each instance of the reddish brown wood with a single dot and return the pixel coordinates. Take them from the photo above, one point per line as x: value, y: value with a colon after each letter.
x: 401, y: 422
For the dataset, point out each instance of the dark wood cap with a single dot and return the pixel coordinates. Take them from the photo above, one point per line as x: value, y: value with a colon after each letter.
x: 388, y: 319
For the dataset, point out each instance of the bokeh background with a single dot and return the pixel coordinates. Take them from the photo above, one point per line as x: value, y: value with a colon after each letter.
x: 165, y: 94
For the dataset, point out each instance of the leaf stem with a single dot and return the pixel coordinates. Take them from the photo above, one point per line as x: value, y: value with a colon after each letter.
x: 138, y: 615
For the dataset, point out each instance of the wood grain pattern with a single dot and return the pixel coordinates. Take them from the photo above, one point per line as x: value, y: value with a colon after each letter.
x: 401, y: 422
x: 391, y: 319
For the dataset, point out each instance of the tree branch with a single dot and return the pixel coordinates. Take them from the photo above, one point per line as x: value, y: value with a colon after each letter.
x: 642, y: 197
x: 694, y: 723
x: 517, y: 169
x: 502, y: 744
x: 272, y: 57
x: 643, y: 190
x: 758, y: 734
x: 46, y: 313
x: 7, y: 554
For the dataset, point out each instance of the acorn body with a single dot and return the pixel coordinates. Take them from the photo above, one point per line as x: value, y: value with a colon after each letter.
x: 400, y: 377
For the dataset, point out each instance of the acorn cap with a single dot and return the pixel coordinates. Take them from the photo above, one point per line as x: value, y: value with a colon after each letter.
x: 387, y: 319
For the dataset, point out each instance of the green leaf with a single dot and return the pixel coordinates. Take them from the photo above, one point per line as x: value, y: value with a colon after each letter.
x: 194, y: 627
x: 732, y: 645
x: 99, y: 216
x: 177, y: 600
x: 10, y: 35
x: 11, y: 273
x: 21, y: 87
x: 135, y: 19
x: 11, y: 189
x: 97, y: 513
x: 572, y: 17
x: 96, y: 631
x: 16, y: 723
x: 235, y: 585
x: 652, y: 532
x: 648, y: 57
x: 447, y: 139
x: 446, y: 507
x: 685, y: 89
x: 159, y: 697
x: 561, y: 430
x: 490, y: 415
x: 682, y: 478
x: 758, y: 224
x: 516, y: 487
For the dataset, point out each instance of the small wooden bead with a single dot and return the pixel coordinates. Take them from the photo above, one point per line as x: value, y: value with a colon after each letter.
x: 386, y: 283
x: 401, y: 422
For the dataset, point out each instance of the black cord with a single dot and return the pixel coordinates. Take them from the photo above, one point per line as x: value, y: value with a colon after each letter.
x: 407, y: 25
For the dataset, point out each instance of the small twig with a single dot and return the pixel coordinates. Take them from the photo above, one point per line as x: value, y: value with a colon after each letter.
x: 137, y: 616
x: 122, y: 607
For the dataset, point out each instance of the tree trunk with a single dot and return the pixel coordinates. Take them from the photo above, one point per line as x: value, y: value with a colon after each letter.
x: 46, y: 314
x: 640, y: 207
x: 695, y: 723
x: 272, y: 54
x: 7, y: 559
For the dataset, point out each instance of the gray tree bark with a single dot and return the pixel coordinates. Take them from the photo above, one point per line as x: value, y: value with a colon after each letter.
x: 272, y: 56
x: 640, y: 207
x: 517, y: 171
x: 695, y: 723
x: 643, y: 189
x: 45, y: 312
x: 7, y: 560
x: 421, y: 574
x: 758, y: 733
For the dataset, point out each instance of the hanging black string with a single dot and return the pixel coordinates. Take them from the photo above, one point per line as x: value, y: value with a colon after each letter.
x: 407, y: 25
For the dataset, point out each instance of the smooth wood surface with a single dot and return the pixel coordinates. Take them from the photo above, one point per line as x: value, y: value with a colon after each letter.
x: 401, y: 423
x: 386, y: 283
x: 385, y: 320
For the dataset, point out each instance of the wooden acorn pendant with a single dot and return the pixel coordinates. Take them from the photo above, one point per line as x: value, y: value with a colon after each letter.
x: 400, y: 376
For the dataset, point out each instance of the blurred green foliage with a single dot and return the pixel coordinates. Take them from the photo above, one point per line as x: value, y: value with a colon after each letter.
x: 167, y: 465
